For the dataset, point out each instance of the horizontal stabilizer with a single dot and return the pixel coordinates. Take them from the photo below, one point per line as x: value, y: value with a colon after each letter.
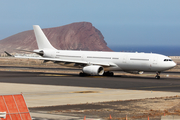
x: 25, y: 50
x: 9, y: 54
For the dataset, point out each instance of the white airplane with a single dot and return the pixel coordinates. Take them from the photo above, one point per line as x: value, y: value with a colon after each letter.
x: 101, y: 63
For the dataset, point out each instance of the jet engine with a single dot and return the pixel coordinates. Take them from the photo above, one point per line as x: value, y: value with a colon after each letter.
x: 45, y: 53
x: 93, y: 70
x: 135, y: 72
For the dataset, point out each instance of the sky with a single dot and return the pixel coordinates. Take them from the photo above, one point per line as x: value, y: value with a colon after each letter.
x: 122, y: 22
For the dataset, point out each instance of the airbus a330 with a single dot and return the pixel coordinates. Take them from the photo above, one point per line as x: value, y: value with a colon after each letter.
x: 99, y: 62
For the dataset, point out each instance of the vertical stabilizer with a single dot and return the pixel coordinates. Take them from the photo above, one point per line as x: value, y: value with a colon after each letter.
x: 41, y: 39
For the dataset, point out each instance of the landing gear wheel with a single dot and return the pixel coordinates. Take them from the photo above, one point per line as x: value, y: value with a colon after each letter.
x: 111, y: 74
x: 108, y: 73
x: 81, y: 74
x: 158, y: 75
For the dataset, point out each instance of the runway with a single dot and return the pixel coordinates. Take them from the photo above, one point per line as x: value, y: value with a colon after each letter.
x: 116, y: 82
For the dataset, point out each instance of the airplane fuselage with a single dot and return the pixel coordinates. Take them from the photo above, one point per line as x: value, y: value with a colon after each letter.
x: 112, y: 61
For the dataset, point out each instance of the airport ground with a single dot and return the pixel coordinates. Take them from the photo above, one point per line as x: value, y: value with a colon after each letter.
x: 53, y: 92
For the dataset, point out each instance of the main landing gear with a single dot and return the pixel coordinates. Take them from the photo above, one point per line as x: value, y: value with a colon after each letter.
x: 157, y: 75
x: 108, y: 73
x: 82, y: 74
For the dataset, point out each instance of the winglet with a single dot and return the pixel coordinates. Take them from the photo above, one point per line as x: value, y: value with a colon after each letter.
x: 9, y: 54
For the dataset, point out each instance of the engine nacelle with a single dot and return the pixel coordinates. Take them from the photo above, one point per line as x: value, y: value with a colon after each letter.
x: 93, y: 70
x: 45, y: 52
x: 135, y: 72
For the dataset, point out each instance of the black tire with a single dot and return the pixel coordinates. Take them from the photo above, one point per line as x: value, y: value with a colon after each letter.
x: 81, y: 74
x: 108, y: 73
x: 157, y: 77
x: 111, y: 74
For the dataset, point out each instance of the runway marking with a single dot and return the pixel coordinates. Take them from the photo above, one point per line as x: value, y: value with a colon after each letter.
x: 70, y: 75
x: 85, y: 92
x: 53, y: 75
x: 97, y: 76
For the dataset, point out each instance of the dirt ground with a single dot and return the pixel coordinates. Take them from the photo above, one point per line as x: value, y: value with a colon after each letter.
x: 134, y: 109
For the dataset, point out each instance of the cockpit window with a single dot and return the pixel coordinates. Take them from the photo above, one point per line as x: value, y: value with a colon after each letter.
x: 167, y: 60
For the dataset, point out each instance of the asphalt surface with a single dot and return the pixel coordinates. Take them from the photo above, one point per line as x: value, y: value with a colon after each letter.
x: 116, y: 82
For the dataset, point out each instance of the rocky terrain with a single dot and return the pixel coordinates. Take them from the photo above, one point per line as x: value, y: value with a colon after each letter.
x: 75, y: 36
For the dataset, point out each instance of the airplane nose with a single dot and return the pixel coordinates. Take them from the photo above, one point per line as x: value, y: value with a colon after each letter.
x: 174, y: 64
x: 170, y: 65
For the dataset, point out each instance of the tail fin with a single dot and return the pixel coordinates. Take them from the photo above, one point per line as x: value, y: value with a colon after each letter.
x: 41, y: 39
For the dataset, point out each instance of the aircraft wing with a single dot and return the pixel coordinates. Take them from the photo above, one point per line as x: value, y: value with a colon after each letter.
x: 67, y: 61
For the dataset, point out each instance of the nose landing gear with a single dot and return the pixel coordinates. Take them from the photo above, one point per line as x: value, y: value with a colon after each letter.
x: 157, y: 75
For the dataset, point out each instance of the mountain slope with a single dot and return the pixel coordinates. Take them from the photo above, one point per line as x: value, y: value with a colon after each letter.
x: 75, y: 36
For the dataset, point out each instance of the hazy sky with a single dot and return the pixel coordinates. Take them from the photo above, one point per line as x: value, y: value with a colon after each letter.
x: 122, y: 22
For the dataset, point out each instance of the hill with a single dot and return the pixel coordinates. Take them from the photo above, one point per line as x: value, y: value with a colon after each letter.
x: 75, y: 36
